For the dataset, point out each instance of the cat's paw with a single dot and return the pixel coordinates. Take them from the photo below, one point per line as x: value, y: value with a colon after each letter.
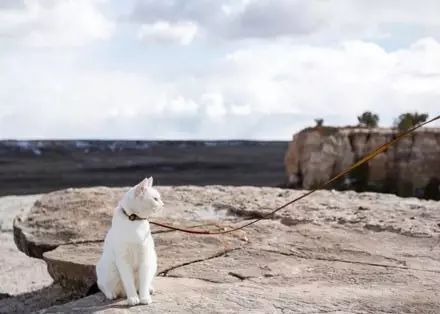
x: 151, y: 290
x: 146, y: 300
x: 133, y: 300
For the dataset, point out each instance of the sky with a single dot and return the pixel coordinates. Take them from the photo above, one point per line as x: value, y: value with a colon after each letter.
x: 212, y: 69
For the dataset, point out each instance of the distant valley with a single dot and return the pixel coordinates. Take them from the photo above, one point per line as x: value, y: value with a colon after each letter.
x: 42, y: 166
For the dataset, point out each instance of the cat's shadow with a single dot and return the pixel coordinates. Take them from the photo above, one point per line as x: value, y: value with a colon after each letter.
x: 103, y: 302
x: 53, y: 298
x: 98, y: 302
x: 36, y: 300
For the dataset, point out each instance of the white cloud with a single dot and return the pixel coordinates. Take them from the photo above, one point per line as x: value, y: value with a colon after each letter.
x: 164, y: 32
x: 234, y: 18
x: 266, y: 18
x: 319, y: 21
x: 48, y: 23
x: 264, y: 70
x: 342, y: 80
x: 264, y: 91
x: 213, y: 106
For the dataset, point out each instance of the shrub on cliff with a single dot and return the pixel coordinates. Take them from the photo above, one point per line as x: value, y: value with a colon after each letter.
x: 319, y: 122
x: 368, y: 119
x: 407, y: 120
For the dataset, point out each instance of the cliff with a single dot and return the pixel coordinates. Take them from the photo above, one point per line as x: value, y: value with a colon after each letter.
x: 410, y: 168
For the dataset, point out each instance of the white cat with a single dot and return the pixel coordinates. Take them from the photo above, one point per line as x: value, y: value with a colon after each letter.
x: 128, y: 263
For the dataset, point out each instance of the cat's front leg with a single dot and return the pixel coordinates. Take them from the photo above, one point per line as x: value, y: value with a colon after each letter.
x: 144, y: 277
x: 127, y: 278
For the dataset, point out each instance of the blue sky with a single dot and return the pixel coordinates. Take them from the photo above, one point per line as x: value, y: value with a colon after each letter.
x: 223, y: 69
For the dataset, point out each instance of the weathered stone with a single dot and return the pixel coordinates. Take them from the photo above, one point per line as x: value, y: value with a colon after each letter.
x: 183, y: 295
x: 19, y: 273
x: 333, y: 251
x: 74, y: 265
x: 271, y: 281
x: 34, y: 301
x: 26, y: 286
x: 274, y: 255
x: 84, y: 215
x: 316, y: 155
x: 68, y: 216
x: 11, y: 206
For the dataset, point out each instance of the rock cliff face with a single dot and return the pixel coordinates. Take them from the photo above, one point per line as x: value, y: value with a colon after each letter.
x: 410, y: 168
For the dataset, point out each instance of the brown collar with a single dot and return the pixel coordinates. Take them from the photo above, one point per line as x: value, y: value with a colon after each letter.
x: 131, y: 217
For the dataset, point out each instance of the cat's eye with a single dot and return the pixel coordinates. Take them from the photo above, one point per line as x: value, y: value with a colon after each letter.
x: 156, y: 199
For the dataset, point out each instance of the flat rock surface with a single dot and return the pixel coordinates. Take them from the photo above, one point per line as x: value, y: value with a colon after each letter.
x: 11, y: 206
x: 26, y: 285
x: 84, y: 215
x: 74, y: 265
x: 18, y: 273
x: 183, y: 295
x: 339, y: 252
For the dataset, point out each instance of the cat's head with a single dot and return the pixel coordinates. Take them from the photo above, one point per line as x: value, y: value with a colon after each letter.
x: 143, y: 199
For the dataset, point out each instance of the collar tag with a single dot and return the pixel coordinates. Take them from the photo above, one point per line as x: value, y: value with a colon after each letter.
x: 132, y: 217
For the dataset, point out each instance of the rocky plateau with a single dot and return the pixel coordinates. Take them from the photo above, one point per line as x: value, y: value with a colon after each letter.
x: 332, y: 252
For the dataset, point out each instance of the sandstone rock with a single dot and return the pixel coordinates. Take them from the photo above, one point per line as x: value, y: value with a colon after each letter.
x: 334, y: 251
x: 67, y: 216
x: 84, y: 215
x: 11, y: 206
x: 317, y: 154
x: 74, y: 265
x: 183, y: 295
x: 26, y: 284
x: 191, y: 256
x: 33, y: 301
x: 18, y: 273
x: 310, y: 270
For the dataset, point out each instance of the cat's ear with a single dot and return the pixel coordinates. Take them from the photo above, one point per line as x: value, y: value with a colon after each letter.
x: 149, y: 182
x: 139, y: 189
x: 142, y: 186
